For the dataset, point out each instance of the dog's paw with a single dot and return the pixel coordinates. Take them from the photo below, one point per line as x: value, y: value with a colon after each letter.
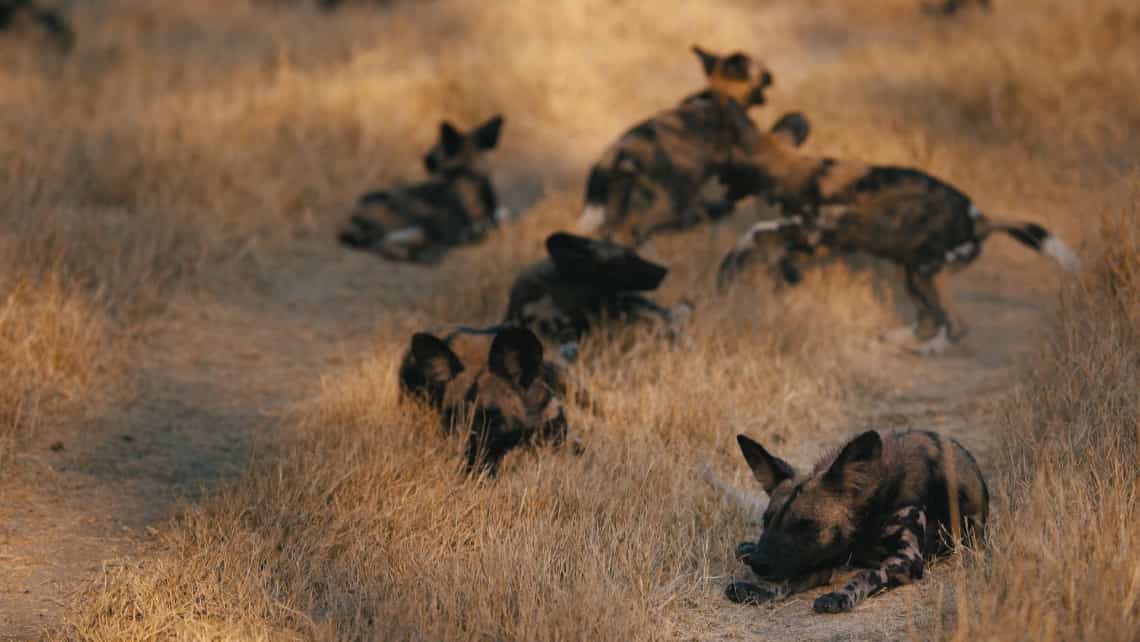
x: 936, y: 345
x: 744, y: 549
x: 833, y: 603
x: 748, y: 593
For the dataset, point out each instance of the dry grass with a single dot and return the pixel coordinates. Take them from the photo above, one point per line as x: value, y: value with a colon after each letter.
x: 1064, y: 556
x: 52, y: 347
x: 191, y: 140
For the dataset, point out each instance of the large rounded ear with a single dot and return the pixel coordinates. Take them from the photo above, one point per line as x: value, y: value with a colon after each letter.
x: 450, y: 139
x: 864, y: 449
x: 433, y: 359
x: 486, y: 136
x: 793, y: 127
x: 516, y: 355
x: 611, y: 266
x: 708, y: 60
x: 767, y: 469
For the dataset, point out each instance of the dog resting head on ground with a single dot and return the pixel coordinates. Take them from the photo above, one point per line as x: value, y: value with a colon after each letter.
x: 655, y: 177
x: 884, y: 503
x: 455, y: 206
x: 583, y: 281
x: 492, y: 381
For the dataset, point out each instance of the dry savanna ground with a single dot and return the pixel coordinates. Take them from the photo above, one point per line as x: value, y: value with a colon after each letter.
x: 200, y: 436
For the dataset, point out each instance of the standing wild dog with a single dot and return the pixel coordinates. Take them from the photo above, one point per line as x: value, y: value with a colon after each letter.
x: 584, y: 280
x: 50, y: 20
x: 493, y: 381
x: 885, y: 503
x: 924, y: 225
x: 455, y: 206
x: 655, y: 177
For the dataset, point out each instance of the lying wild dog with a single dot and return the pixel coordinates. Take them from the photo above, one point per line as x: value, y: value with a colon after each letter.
x: 456, y: 205
x: 655, y: 177
x: 924, y: 225
x: 491, y: 380
x: 950, y: 7
x: 885, y: 503
x: 584, y: 280
x: 50, y: 20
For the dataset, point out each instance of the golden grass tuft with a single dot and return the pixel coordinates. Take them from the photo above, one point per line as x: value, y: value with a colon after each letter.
x: 1063, y: 564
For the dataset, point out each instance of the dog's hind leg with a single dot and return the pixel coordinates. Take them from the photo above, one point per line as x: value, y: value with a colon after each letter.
x: 928, y: 297
x: 902, y: 538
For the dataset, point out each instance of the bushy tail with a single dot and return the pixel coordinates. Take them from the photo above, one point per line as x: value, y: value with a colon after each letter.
x: 752, y: 504
x: 1038, y: 238
x: 608, y: 188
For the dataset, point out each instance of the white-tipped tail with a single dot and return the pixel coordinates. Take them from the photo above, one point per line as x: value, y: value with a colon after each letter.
x: 1061, y: 253
x: 591, y: 220
x: 754, y: 505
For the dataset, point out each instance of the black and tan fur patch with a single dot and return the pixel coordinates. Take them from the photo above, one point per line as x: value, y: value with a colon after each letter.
x: 457, y: 205
x: 922, y: 224
x: 583, y: 281
x: 492, y: 382
x: 884, y: 503
x: 51, y: 21
x: 656, y: 176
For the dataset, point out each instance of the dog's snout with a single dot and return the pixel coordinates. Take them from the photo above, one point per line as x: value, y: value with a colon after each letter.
x: 766, y: 78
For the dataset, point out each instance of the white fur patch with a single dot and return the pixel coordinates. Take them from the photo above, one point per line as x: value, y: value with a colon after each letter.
x: 503, y: 214
x: 1061, y: 253
x: 749, y: 238
x: 591, y: 219
x: 975, y: 213
x: 936, y: 345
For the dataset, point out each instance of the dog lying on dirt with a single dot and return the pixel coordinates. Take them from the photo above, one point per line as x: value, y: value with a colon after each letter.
x: 584, y: 280
x: 884, y: 503
x: 927, y: 227
x: 655, y: 177
x: 50, y: 20
x: 493, y: 381
x: 457, y: 205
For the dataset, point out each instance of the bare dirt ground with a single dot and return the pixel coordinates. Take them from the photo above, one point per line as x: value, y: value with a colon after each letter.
x: 223, y: 364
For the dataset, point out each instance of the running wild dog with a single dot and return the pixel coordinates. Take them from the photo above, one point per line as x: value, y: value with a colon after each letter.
x: 50, y: 20
x: 583, y: 281
x: 926, y: 226
x: 655, y: 177
x: 493, y: 381
x: 455, y: 206
x: 884, y: 503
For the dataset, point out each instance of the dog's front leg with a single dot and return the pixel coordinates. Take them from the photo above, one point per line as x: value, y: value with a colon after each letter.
x: 769, y: 591
x: 902, y: 538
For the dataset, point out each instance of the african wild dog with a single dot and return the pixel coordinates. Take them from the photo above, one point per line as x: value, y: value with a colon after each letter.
x: 50, y: 20
x: 491, y: 380
x: 885, y: 503
x: 584, y: 280
x: 455, y: 206
x: 950, y: 7
x: 922, y: 224
x: 655, y: 177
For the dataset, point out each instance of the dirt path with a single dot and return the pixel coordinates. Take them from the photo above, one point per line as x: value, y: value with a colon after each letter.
x: 211, y: 375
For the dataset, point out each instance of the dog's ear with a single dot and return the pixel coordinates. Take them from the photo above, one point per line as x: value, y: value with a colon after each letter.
x: 736, y: 66
x: 516, y: 355
x: 486, y: 136
x: 864, y: 449
x: 793, y: 127
x: 767, y: 469
x: 708, y: 60
x: 433, y: 359
x: 450, y: 139
x: 607, y: 264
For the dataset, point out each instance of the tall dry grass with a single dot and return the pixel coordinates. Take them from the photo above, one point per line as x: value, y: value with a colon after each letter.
x: 190, y: 140
x: 1065, y: 560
